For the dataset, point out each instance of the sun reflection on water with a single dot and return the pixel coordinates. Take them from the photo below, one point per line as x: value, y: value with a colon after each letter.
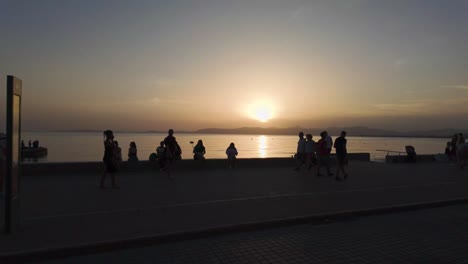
x: 262, y: 146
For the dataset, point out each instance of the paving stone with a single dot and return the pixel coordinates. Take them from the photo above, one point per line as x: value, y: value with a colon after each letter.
x: 436, y: 235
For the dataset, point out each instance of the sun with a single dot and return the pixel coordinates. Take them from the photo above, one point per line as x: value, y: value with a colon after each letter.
x: 262, y: 111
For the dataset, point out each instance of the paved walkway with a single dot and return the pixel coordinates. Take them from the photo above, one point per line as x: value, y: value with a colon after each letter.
x: 437, y: 235
x: 70, y: 211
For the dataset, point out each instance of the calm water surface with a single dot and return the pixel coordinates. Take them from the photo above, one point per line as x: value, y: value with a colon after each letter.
x: 70, y: 146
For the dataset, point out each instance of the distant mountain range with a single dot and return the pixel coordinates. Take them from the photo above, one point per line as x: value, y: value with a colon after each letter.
x: 351, y: 131
x: 357, y: 131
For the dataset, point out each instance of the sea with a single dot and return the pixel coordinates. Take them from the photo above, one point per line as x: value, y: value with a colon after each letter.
x: 88, y: 146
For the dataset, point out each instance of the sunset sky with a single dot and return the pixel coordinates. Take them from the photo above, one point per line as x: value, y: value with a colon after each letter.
x: 151, y: 65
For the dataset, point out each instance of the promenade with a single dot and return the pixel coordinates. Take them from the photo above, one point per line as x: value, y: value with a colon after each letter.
x: 66, y: 214
x: 429, y: 236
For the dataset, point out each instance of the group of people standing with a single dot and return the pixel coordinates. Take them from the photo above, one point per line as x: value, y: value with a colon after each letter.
x: 166, y: 154
x: 310, y: 153
x: 199, y: 152
x: 33, y: 144
x: 457, y: 149
x: 113, y: 157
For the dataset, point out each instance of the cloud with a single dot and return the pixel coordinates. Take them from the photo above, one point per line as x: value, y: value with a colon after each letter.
x: 423, y: 107
x: 166, y: 82
x: 164, y: 101
x: 460, y: 87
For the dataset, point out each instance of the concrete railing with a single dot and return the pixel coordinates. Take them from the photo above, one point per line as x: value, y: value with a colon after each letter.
x: 96, y: 167
x: 402, y: 158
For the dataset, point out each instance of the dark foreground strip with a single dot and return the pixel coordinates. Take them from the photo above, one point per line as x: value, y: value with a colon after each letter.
x: 106, y: 246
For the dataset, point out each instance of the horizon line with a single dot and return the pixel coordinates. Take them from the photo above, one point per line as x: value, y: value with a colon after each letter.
x: 379, y: 132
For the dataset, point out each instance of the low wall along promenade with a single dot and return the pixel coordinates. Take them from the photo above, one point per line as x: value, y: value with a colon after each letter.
x: 94, y: 167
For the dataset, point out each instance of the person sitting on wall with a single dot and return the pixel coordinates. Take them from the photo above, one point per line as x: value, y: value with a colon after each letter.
x: 132, y: 152
x: 448, y: 150
x: 231, y: 153
x: 161, y: 155
x: 199, y: 151
x: 160, y: 150
x: 410, y: 154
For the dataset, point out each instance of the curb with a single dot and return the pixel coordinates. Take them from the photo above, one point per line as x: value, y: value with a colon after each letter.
x: 106, y: 246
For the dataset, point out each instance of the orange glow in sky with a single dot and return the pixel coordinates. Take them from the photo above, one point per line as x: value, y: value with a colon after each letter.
x: 150, y: 65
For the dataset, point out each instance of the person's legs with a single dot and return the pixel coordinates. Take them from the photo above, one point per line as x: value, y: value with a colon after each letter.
x: 327, y: 165
x: 309, y: 162
x: 338, y: 168
x: 341, y: 168
x: 169, y: 168
x: 114, y: 181
x: 320, y: 165
x: 329, y: 170
x: 172, y: 169
x: 341, y: 161
x: 345, y: 163
x: 103, y: 178
x: 461, y: 158
x: 107, y: 169
x: 299, y: 161
x: 231, y: 162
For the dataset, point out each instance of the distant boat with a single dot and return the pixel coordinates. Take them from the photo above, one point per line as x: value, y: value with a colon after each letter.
x: 33, y: 152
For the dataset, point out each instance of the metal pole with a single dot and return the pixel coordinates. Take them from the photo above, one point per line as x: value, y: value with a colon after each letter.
x: 9, y: 158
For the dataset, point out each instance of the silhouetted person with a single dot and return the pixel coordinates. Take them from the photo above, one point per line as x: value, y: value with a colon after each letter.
x: 36, y: 143
x: 117, y: 152
x: 29, y: 144
x: 341, y: 155
x: 231, y: 153
x: 161, y: 155
x: 453, y: 147
x: 160, y: 149
x: 410, y: 154
x: 323, y: 154
x: 173, y: 152
x: 310, y: 152
x: 132, y: 152
x: 199, y: 151
x: 300, y: 153
x: 329, y: 141
x: 448, y: 150
x: 461, y: 151
x: 22, y: 144
x: 109, y: 159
